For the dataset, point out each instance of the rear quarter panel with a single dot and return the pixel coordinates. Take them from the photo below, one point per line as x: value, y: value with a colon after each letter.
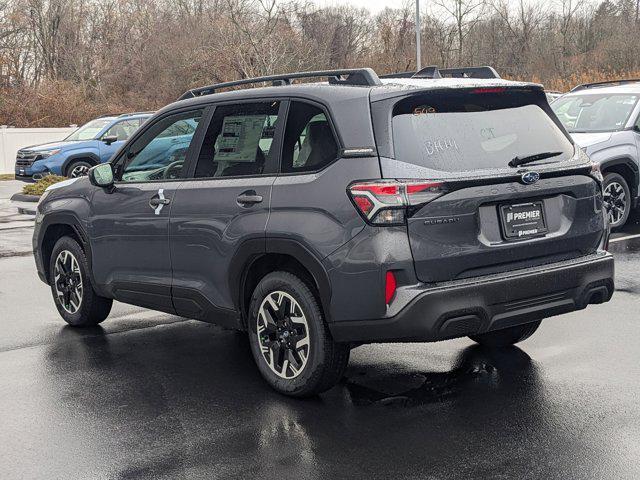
x: 314, y: 209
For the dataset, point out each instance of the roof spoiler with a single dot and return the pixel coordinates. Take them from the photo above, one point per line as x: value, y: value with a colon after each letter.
x: 351, y: 76
x: 605, y: 84
x: 433, y: 72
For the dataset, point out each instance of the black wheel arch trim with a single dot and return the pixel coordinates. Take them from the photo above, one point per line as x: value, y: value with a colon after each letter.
x: 88, y: 156
x: 68, y: 219
x: 627, y: 162
x: 253, y: 249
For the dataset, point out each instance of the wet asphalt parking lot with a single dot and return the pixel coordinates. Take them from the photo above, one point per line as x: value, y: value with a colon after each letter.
x: 149, y: 395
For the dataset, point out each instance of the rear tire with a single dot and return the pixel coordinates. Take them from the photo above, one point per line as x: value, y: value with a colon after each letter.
x: 76, y: 300
x: 507, y: 336
x: 290, y: 341
x: 617, y: 199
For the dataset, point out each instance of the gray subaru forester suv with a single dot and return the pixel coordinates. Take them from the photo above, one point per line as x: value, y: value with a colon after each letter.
x: 321, y: 216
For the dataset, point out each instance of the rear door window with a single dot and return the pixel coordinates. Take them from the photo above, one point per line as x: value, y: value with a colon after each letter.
x: 309, y: 143
x: 471, y: 131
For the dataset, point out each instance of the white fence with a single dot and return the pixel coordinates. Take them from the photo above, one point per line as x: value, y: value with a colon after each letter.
x: 13, y: 139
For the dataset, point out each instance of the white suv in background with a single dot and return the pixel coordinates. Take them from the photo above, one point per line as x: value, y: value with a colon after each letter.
x: 604, y: 119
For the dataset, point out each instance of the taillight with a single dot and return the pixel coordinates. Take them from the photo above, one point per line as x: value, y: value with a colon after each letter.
x: 385, y: 202
x: 390, y: 286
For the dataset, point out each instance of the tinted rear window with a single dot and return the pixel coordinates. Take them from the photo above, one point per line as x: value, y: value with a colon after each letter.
x: 469, y: 131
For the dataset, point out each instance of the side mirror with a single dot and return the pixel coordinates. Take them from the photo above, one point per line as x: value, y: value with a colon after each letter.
x: 101, y: 175
x: 109, y: 139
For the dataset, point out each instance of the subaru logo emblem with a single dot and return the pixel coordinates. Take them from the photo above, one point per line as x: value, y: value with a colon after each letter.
x: 529, y: 178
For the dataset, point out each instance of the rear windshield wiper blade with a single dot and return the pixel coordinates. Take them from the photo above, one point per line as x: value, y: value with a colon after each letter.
x: 517, y: 161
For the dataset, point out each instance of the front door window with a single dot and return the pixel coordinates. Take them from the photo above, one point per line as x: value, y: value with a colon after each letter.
x: 160, y: 153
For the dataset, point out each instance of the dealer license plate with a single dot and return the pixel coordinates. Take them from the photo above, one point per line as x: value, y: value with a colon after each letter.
x: 523, y: 220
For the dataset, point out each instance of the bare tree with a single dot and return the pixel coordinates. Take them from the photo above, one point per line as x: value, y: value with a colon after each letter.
x: 64, y: 61
x: 465, y: 15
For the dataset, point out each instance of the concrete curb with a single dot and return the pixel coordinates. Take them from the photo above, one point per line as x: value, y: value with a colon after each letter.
x: 26, y: 204
x: 21, y: 197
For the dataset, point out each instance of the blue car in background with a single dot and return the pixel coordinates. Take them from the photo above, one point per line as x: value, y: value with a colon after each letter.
x: 93, y: 143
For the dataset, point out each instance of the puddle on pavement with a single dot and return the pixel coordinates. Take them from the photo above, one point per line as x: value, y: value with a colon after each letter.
x: 476, y: 367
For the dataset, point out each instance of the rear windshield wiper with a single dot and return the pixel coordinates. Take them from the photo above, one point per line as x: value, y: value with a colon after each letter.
x: 517, y: 161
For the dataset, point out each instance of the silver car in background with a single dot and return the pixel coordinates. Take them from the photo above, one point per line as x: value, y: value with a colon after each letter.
x: 552, y: 95
x: 604, y: 119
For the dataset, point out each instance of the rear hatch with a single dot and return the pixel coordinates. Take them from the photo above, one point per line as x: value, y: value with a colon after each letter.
x: 486, y: 216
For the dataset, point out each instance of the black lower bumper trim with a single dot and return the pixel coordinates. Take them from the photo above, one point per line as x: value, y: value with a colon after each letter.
x: 480, y: 305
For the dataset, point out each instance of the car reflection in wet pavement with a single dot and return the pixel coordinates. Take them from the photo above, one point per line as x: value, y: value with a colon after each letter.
x: 153, y: 396
x: 185, y: 399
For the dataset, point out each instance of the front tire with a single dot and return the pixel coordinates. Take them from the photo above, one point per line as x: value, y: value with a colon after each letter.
x: 78, y: 168
x: 290, y: 341
x: 506, y: 336
x: 617, y: 199
x: 76, y: 300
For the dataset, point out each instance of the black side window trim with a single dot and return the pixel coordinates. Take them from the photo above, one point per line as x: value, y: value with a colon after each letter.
x: 336, y: 138
x: 271, y: 170
x: 120, y: 156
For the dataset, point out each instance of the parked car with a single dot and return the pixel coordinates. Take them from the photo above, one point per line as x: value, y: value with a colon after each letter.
x: 553, y: 95
x: 93, y: 143
x: 604, y: 119
x: 321, y: 216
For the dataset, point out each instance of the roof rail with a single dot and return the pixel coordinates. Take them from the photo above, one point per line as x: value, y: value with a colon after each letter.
x: 470, y: 72
x: 435, y: 72
x: 398, y: 75
x: 350, y: 76
x: 605, y: 84
x: 134, y: 113
x: 104, y: 115
x: 428, y: 72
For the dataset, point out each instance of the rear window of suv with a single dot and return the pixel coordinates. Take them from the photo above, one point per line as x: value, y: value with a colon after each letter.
x: 471, y: 130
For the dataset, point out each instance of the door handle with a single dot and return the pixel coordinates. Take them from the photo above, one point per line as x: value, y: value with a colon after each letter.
x: 158, y: 201
x: 249, y: 197
x: 155, y: 201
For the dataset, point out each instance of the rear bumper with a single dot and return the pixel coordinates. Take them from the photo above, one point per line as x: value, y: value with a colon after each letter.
x: 461, y: 308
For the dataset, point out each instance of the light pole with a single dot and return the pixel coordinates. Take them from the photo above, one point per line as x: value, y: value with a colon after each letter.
x: 418, y: 59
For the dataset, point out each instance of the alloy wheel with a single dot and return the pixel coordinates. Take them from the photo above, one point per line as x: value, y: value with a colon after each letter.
x: 283, y: 334
x: 79, y: 171
x: 68, y: 281
x: 615, y: 202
